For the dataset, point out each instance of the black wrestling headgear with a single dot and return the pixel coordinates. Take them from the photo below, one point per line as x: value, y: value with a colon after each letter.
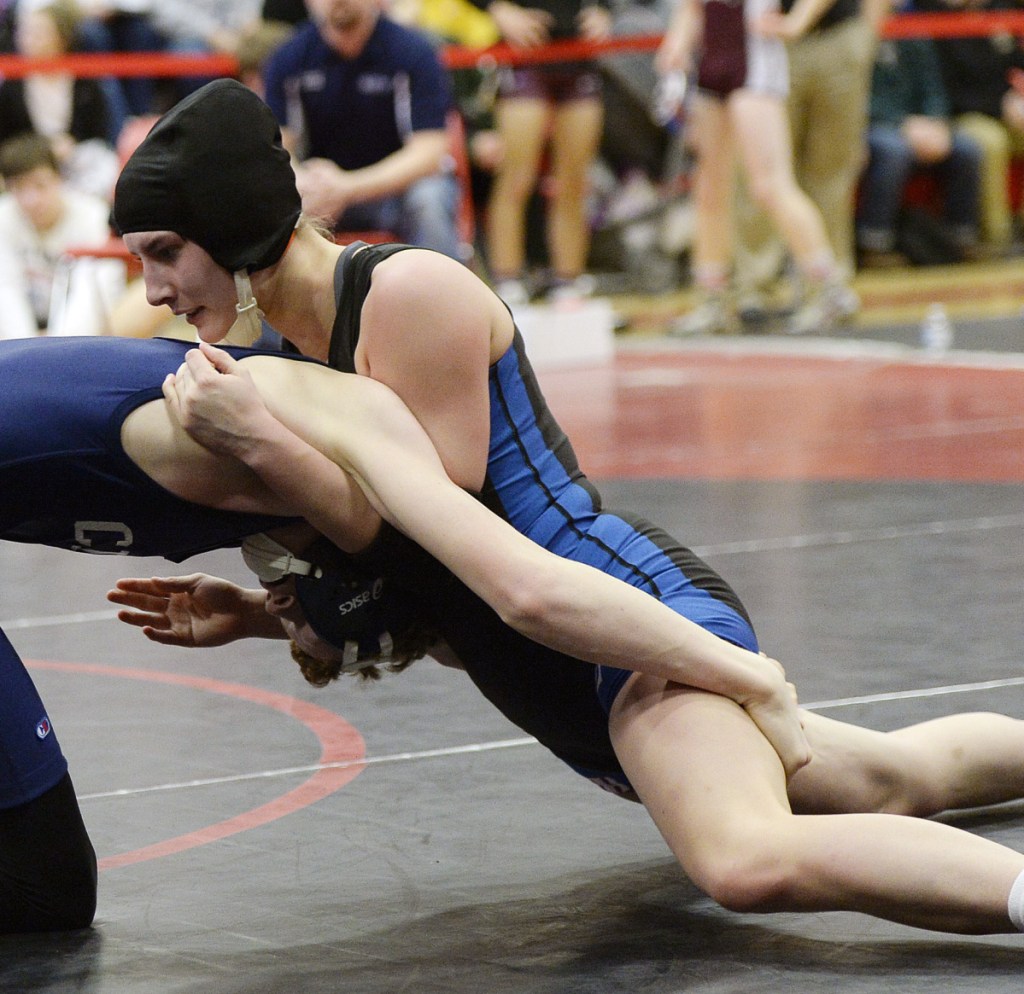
x: 214, y: 171
x: 350, y: 607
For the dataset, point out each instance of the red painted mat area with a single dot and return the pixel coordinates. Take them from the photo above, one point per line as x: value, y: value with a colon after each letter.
x: 761, y: 417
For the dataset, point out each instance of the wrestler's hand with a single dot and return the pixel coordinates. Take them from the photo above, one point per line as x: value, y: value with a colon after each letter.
x: 216, y: 402
x: 195, y: 611
x: 776, y: 713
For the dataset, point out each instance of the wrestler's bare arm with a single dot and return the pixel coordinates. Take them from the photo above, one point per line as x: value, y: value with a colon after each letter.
x: 365, y: 429
x: 161, y: 448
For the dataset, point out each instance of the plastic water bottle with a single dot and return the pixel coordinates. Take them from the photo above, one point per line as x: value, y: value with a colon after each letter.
x: 936, y: 330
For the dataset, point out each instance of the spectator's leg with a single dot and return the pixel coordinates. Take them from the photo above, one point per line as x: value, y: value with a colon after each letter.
x: 521, y: 123
x: 890, y: 164
x: 991, y: 136
x: 94, y: 36
x: 429, y: 214
x: 830, y: 155
x: 960, y: 175
x: 135, y: 33
x: 575, y: 138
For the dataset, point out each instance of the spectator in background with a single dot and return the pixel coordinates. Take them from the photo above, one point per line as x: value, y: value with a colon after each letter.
x: 255, y: 49
x: 73, y: 114
x: 739, y: 117
x: 362, y: 102
x: 910, y: 128
x: 203, y: 27
x: 123, y: 26
x: 40, y: 217
x: 978, y: 73
x: 831, y: 48
x: 554, y: 107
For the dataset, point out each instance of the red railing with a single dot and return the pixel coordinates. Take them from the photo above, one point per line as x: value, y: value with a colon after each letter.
x: 945, y: 25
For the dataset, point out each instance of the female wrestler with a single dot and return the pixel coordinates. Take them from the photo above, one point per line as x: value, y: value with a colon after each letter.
x: 90, y: 461
x: 740, y: 110
x: 208, y: 203
x: 835, y: 838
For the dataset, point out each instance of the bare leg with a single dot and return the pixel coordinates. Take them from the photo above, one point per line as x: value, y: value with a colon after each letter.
x: 575, y: 138
x: 764, y: 144
x: 713, y: 187
x: 960, y: 761
x: 522, y: 124
x: 717, y: 793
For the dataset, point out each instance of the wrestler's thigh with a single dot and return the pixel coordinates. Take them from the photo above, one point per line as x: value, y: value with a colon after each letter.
x: 703, y: 770
x: 852, y: 769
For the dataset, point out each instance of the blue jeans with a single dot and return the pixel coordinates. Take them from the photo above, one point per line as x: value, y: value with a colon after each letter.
x: 424, y: 215
x: 890, y: 166
x: 129, y: 95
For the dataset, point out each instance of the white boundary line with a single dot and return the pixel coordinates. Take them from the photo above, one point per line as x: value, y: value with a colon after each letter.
x: 479, y: 747
x: 811, y: 540
x: 838, y: 349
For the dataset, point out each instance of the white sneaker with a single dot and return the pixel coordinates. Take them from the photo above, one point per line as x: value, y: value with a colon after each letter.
x: 823, y: 308
x: 513, y: 292
x: 580, y: 288
x: 848, y: 303
x: 711, y: 317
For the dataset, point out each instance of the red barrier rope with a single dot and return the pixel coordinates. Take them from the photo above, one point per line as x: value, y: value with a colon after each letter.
x: 972, y: 24
x: 92, y: 64
x: 967, y: 24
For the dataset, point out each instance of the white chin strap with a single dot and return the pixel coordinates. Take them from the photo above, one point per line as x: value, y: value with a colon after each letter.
x: 351, y: 663
x: 271, y: 561
x: 248, y: 325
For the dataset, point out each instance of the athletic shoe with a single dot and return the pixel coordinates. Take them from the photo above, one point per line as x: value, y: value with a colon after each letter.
x: 823, y: 308
x: 711, y: 317
x: 513, y: 292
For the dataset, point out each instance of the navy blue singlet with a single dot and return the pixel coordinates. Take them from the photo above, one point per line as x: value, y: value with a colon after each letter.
x: 65, y: 481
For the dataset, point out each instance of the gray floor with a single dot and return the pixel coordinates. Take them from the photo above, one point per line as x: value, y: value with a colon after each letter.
x: 465, y: 859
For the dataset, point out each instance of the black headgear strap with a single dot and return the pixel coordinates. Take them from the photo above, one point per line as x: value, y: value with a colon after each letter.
x: 213, y: 170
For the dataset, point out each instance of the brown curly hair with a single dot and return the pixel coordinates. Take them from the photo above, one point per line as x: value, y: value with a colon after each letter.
x: 412, y: 644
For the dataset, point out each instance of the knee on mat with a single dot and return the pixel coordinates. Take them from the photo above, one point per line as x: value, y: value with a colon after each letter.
x: 77, y: 906
x: 47, y: 865
x: 61, y: 896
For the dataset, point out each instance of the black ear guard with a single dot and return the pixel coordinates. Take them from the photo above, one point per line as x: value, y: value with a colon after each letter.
x: 353, y: 611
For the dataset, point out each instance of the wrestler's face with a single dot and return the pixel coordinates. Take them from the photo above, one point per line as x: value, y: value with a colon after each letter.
x: 284, y: 605
x: 181, y: 274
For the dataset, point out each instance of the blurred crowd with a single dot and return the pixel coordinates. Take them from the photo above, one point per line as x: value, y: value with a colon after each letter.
x: 639, y: 170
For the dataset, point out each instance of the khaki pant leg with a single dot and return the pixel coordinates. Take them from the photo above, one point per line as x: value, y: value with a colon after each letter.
x: 993, y: 138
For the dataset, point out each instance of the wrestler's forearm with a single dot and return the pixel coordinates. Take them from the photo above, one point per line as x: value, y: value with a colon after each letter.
x: 564, y: 605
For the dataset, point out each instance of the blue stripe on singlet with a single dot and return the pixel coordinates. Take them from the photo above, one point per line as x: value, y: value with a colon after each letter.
x: 533, y: 472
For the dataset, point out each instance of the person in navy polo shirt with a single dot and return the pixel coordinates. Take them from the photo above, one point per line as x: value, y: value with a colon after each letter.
x: 362, y: 103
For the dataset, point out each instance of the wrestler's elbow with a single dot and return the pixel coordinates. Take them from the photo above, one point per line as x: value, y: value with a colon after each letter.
x: 527, y: 604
